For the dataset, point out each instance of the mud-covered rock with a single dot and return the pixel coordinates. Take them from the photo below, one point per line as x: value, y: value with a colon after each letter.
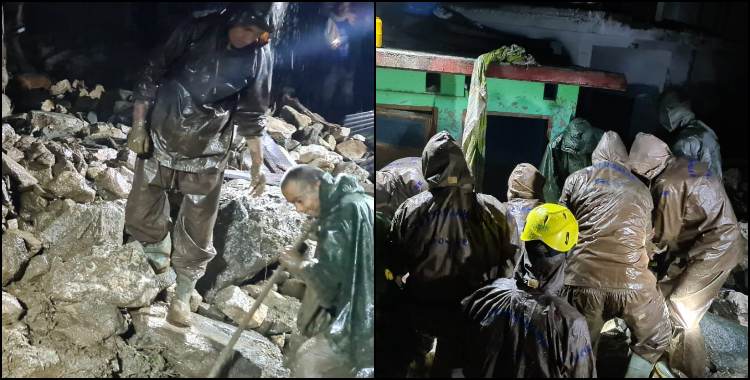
x: 250, y: 233
x: 89, y: 322
x: 293, y: 287
x: 235, y: 304
x: 731, y: 305
x: 54, y: 124
x: 15, y: 254
x: 12, y: 309
x: 726, y: 344
x: 352, y: 149
x: 9, y: 136
x: 278, y: 128
x: 114, y: 183
x: 352, y: 169
x: 310, y: 153
x: 71, y: 185
x: 23, y: 179
x: 118, y: 276
x: 20, y: 358
x: 282, y: 312
x: 291, y: 116
x: 192, y: 351
x: 68, y: 228
x: 38, y: 265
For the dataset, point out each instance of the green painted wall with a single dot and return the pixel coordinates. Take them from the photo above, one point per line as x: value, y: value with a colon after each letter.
x: 406, y: 87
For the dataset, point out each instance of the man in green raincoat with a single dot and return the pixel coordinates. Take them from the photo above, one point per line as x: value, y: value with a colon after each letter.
x: 568, y: 152
x: 340, y: 275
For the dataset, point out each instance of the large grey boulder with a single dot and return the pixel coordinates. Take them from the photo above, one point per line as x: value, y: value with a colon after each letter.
x: 118, y: 276
x: 90, y: 322
x: 192, y: 351
x: 250, y: 234
x: 72, y: 185
x: 68, y: 228
x: 291, y: 116
x: 114, y: 183
x: 55, y: 124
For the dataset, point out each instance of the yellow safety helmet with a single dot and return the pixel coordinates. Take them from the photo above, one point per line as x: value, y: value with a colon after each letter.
x: 553, y: 224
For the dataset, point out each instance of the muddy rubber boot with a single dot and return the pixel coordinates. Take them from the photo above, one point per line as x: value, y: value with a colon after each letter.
x: 662, y: 370
x: 179, y: 308
x: 158, y: 254
x: 638, y: 367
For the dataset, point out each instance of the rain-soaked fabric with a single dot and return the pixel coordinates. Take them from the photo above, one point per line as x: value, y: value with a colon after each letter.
x: 204, y: 92
x: 475, y: 121
x: 450, y: 239
x: 694, y: 140
x: 397, y: 182
x: 147, y: 213
x: 521, y: 332
x: 613, y: 208
x: 643, y: 310
x: 342, y: 273
x: 694, y: 219
x: 397, y: 342
x: 525, y: 186
x: 567, y: 153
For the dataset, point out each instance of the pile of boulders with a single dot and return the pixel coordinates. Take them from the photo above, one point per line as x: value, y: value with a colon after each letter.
x: 79, y: 297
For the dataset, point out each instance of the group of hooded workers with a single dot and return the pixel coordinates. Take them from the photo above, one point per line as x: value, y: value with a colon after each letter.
x: 523, y: 288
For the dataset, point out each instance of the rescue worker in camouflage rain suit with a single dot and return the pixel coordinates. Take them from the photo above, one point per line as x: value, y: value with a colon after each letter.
x: 607, y: 273
x: 695, y: 223
x: 521, y: 328
x: 694, y: 139
x: 450, y: 241
x: 569, y: 152
x: 209, y: 81
x: 340, y: 275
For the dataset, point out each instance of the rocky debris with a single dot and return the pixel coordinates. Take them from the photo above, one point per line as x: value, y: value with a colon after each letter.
x: 20, y: 358
x: 235, y: 304
x: 118, y: 276
x: 291, y: 116
x: 293, y: 287
x: 23, y: 178
x: 89, y: 323
x: 12, y: 309
x: 352, y: 149
x: 278, y: 129
x: 731, y: 305
x: 67, y: 228
x: 352, y: 169
x: 114, y: 183
x: 54, y: 124
x: 7, y: 106
x: 71, y: 185
x: 726, y: 344
x: 194, y: 350
x: 88, y: 306
x: 15, y: 254
x: 249, y: 235
x: 282, y: 312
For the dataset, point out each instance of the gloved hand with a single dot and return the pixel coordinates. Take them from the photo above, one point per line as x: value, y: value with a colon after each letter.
x: 139, y: 140
x: 258, y: 183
